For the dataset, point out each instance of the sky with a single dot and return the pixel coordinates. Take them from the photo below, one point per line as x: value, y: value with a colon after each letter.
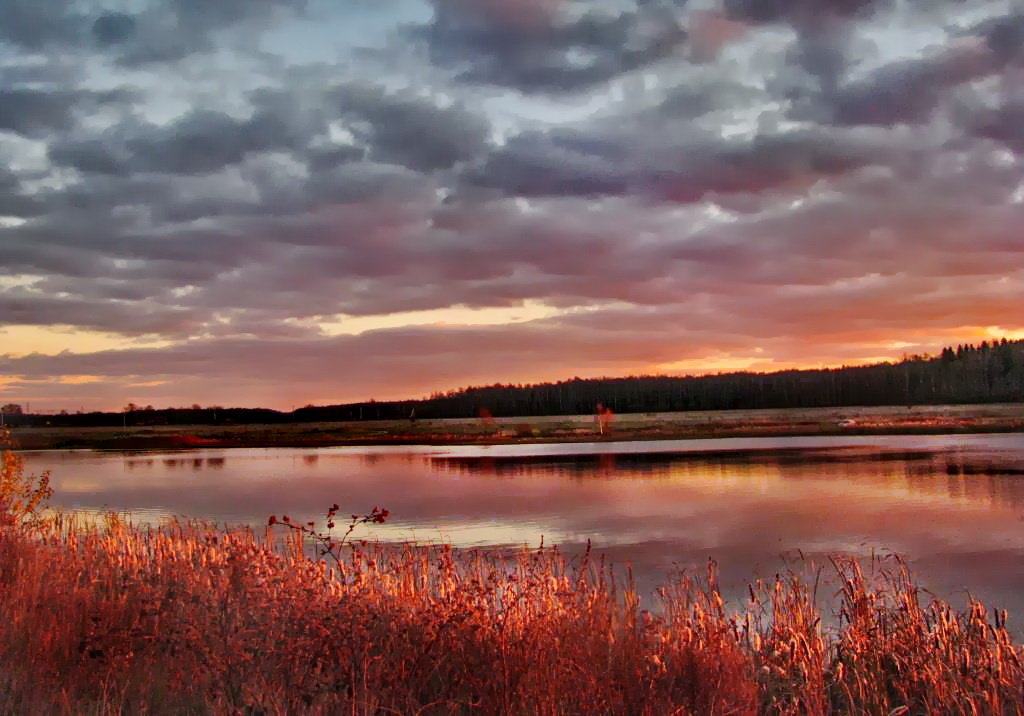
x: 282, y: 202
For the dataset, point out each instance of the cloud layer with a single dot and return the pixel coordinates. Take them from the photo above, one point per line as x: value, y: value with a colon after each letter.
x: 202, y: 197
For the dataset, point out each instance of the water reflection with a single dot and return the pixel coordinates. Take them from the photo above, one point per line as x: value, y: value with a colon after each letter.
x: 947, y: 472
x: 130, y: 462
x: 952, y: 505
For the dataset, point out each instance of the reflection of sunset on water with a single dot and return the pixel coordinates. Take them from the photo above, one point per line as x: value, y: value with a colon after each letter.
x: 950, y: 503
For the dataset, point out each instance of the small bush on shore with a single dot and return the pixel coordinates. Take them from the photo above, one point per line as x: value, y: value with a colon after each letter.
x: 22, y: 497
x: 188, y: 619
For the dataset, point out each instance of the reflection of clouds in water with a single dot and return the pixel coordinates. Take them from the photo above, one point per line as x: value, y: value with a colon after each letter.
x: 916, y: 474
x: 195, y: 463
x: 744, y: 509
x: 131, y: 464
x: 93, y: 517
x: 485, y: 533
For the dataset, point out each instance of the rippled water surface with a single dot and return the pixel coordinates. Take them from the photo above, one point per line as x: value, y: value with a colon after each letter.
x: 952, y: 505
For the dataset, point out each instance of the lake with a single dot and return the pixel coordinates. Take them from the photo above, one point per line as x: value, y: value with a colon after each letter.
x: 951, y: 505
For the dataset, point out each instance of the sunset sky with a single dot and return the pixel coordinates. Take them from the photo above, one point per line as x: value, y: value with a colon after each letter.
x: 281, y: 202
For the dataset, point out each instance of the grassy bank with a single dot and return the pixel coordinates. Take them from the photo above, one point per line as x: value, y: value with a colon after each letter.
x: 561, y: 428
x: 192, y: 619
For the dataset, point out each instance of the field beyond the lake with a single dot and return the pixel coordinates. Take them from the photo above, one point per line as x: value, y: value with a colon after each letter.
x: 190, y: 618
x: 884, y: 420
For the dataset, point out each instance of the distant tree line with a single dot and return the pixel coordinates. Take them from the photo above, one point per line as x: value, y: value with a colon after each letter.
x: 138, y: 416
x: 992, y: 372
x: 986, y: 373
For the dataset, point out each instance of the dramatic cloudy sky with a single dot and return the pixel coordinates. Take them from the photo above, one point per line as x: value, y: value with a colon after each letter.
x: 276, y: 202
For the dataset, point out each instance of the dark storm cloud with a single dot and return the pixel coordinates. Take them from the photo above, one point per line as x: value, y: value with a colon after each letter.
x: 799, y: 11
x: 553, y: 164
x: 34, y: 25
x: 205, y: 141
x: 88, y: 155
x: 326, y: 158
x: 576, y: 252
x: 84, y: 229
x: 127, y: 317
x: 555, y: 54
x: 159, y: 31
x: 576, y: 163
x: 389, y: 128
x: 14, y: 72
x: 113, y: 27
x: 173, y: 30
x: 354, y: 182
x: 1004, y: 124
x: 763, y: 163
x: 387, y: 245
x: 1004, y: 35
x: 199, y: 142
x: 409, y: 130
x: 19, y: 254
x: 38, y: 112
x: 199, y: 13
x: 14, y: 200
x: 907, y: 92
x: 693, y: 99
x: 823, y: 52
x: 156, y: 37
x: 902, y: 92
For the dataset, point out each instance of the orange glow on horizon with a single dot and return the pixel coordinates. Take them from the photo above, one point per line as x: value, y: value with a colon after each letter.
x: 443, y: 373
x: 17, y: 341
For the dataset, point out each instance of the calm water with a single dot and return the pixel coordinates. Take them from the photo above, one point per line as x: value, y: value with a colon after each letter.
x: 952, y: 505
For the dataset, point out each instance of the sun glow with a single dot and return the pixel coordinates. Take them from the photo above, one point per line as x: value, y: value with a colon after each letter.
x: 1007, y: 333
x: 442, y: 317
x: 721, y: 364
x: 80, y: 379
x: 18, y: 341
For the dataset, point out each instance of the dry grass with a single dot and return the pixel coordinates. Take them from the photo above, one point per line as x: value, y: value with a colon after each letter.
x: 191, y: 619
x: 626, y: 426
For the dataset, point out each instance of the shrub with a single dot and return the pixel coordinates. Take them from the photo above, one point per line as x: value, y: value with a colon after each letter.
x: 22, y: 497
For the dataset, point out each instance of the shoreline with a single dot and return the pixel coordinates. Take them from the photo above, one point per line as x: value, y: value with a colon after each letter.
x: 800, y: 422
